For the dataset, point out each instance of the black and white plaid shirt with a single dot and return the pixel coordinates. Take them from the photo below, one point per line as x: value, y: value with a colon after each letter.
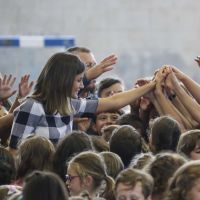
x: 30, y: 118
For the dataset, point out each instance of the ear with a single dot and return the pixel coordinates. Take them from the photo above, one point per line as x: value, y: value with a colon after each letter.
x: 88, y: 181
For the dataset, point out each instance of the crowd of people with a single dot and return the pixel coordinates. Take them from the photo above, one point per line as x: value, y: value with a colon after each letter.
x: 67, y: 137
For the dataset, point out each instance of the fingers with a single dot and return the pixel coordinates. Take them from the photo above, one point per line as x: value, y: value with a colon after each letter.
x: 9, y: 81
x: 110, y: 60
x: 31, y: 85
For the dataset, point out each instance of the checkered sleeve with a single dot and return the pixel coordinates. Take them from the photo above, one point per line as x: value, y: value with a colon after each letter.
x: 83, y: 106
x: 26, y: 119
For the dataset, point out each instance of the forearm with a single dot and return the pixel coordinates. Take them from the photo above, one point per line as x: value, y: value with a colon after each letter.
x: 189, y: 103
x: 122, y: 99
x: 186, y: 116
x: 14, y: 105
x: 168, y: 108
x: 157, y: 106
x: 192, y: 86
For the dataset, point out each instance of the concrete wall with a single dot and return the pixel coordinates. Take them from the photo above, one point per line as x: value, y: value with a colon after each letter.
x: 144, y: 34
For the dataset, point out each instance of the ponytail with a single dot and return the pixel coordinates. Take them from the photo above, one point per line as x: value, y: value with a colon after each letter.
x: 108, y: 193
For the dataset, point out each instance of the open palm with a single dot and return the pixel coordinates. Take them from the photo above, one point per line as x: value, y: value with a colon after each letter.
x: 6, y: 84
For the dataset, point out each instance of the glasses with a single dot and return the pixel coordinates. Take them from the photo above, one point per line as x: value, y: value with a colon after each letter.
x: 70, y: 178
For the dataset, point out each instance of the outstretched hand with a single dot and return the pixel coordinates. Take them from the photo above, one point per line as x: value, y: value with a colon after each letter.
x: 24, y: 86
x: 104, y: 66
x: 6, y: 84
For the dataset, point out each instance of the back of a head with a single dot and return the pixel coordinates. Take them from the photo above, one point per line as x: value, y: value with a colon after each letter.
x: 35, y: 153
x: 132, y: 120
x: 165, y: 133
x: 130, y: 177
x: 187, y: 143
x: 99, y: 143
x: 77, y: 49
x: 70, y: 145
x: 44, y: 186
x: 141, y: 160
x: 114, y: 164
x: 7, y: 166
x: 162, y: 169
x: 183, y: 181
x: 126, y: 142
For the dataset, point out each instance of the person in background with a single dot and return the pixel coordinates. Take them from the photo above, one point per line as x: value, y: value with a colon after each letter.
x: 50, y: 112
x: 133, y: 184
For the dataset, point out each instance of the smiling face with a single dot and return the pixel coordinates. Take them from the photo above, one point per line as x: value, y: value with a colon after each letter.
x: 77, y: 85
x: 105, y: 119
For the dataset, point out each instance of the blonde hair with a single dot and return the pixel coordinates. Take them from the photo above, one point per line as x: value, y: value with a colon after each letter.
x: 183, y: 181
x: 90, y: 163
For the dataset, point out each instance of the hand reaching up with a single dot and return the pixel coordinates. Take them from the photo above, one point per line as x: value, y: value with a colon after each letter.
x: 104, y: 66
x: 24, y: 86
x: 6, y: 84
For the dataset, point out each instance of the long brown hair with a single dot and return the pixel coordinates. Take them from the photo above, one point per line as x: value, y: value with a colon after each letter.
x: 54, y: 85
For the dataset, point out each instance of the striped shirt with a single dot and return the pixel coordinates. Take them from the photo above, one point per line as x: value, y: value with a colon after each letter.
x: 30, y: 118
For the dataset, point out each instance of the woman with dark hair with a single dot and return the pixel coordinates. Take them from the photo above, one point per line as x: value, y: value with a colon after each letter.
x: 164, y: 134
x: 35, y: 153
x: 70, y: 145
x: 50, y: 110
x: 44, y: 186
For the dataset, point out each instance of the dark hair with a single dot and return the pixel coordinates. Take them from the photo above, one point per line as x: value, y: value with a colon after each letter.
x: 165, y: 133
x: 77, y: 49
x: 54, y: 85
x: 134, y: 121
x: 126, y: 142
x: 7, y: 167
x: 44, y: 186
x: 35, y: 153
x: 187, y: 142
x: 71, y: 144
x: 131, y: 177
x: 162, y: 169
x: 119, y: 112
x: 106, y: 83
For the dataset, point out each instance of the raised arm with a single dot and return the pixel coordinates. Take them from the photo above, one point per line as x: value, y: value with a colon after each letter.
x: 192, y: 86
x: 6, y: 84
x: 24, y: 89
x: 189, y: 103
x: 122, y: 99
x: 104, y: 66
x: 163, y: 101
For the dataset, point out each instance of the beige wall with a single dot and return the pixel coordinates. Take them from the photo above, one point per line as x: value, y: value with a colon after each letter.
x: 143, y: 33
